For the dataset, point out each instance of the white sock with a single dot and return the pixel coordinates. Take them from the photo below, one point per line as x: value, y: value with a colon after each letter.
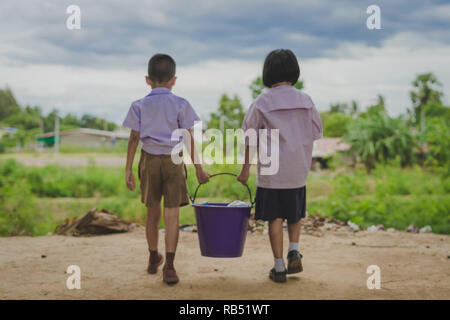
x: 293, y: 246
x: 279, y: 265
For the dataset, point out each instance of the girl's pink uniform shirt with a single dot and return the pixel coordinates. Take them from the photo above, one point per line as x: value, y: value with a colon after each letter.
x: 293, y: 113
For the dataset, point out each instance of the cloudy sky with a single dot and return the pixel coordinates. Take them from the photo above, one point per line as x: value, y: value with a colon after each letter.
x: 219, y: 47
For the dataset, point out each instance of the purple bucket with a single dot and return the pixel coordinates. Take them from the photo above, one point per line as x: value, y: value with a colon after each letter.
x: 221, y: 229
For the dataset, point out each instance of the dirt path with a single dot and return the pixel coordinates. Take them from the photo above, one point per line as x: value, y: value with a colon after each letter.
x: 413, y: 266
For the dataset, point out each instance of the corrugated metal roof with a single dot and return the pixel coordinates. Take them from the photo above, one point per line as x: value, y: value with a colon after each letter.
x: 328, y: 146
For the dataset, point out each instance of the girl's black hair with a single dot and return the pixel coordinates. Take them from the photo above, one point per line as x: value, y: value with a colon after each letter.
x: 280, y: 65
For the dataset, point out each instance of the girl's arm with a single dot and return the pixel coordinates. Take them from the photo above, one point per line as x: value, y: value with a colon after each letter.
x: 245, y: 171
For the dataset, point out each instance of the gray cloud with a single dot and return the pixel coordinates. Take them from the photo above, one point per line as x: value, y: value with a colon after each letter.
x: 192, y: 30
x: 110, y: 52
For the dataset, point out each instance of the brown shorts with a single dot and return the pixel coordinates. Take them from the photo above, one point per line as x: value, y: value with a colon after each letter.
x: 159, y: 176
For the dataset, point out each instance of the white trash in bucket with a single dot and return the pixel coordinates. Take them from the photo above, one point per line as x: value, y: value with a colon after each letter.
x: 238, y: 203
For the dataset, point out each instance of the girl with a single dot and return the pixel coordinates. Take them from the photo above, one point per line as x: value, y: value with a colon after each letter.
x: 282, y: 195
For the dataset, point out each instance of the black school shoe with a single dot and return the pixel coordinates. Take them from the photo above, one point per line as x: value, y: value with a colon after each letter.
x: 294, y: 262
x: 277, y: 276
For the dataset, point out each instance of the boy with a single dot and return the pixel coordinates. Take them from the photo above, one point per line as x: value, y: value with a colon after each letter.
x: 152, y: 120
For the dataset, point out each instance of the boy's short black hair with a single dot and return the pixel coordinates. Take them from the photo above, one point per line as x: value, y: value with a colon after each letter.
x: 161, y: 68
x: 280, y: 65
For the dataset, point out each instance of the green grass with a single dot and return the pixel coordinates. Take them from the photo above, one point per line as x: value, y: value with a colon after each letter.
x: 390, y: 196
x: 120, y: 148
x: 34, y: 200
x: 51, y: 154
x: 63, y: 208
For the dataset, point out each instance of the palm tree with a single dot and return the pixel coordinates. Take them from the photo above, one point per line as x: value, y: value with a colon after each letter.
x: 379, y: 138
x: 427, y: 89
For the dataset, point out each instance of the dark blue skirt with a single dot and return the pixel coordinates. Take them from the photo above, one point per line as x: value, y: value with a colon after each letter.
x: 289, y: 204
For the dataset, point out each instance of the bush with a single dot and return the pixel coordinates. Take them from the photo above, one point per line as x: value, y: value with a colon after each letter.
x: 224, y: 187
x: 437, y: 137
x: 395, y: 212
x: 2, y: 146
x: 17, y: 206
x: 380, y: 139
x: 335, y: 124
x: 391, y: 196
x: 120, y: 148
x: 56, y: 181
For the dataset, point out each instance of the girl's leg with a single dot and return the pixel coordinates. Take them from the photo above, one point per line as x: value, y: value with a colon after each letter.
x: 294, y: 233
x: 151, y: 229
x: 294, y: 256
x: 276, y: 237
x: 278, y: 272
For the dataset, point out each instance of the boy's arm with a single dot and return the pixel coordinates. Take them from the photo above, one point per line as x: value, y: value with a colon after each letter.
x: 133, y: 143
x: 202, y: 175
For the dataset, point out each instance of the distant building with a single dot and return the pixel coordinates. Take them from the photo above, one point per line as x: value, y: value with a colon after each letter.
x: 7, y: 130
x: 84, y: 137
x: 324, y: 148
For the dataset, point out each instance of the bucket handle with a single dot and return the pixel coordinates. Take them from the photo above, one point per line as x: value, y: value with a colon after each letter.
x: 218, y: 174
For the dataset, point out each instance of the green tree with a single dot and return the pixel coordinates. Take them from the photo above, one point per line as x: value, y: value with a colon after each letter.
x: 339, y: 107
x: 90, y: 121
x: 71, y: 120
x: 375, y: 109
x: 229, y: 115
x: 335, y: 124
x: 8, y: 104
x: 379, y: 138
x: 49, y: 120
x: 27, y: 118
x: 427, y: 89
x: 438, y: 142
x: 257, y: 86
x: 354, y: 109
x: 437, y: 110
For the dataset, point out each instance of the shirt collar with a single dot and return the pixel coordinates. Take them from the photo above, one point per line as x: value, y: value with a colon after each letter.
x: 159, y: 90
x: 283, y: 97
x: 287, y: 86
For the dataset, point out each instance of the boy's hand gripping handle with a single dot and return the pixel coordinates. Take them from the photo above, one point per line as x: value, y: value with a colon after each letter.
x: 218, y: 174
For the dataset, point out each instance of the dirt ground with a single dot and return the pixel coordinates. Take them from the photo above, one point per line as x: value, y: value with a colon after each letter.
x: 413, y: 266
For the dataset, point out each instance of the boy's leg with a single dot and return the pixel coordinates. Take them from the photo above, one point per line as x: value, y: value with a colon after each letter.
x: 175, y: 195
x: 172, y: 230
x: 152, y: 226
x: 152, y: 233
x: 294, y: 256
